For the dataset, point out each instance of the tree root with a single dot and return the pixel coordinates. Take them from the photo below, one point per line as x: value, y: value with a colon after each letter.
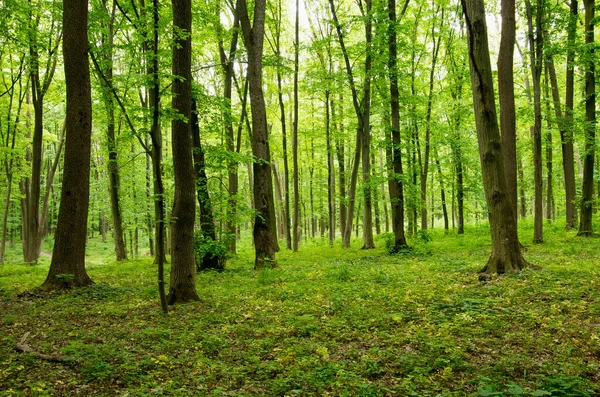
x: 23, y: 347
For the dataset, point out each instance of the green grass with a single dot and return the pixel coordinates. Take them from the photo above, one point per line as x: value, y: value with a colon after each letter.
x: 330, y: 322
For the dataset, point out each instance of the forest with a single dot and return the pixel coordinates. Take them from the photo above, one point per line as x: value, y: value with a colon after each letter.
x: 298, y: 198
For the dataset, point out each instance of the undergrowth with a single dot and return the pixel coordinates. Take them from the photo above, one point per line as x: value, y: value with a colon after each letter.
x: 328, y: 321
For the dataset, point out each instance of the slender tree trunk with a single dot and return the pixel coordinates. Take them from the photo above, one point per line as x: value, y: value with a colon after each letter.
x: 296, y: 216
x: 67, y: 268
x: 330, y: 172
x: 535, y: 48
x: 506, y: 251
x: 567, y: 136
x: 442, y: 192
x: 395, y: 183
x: 113, y: 162
x: 207, y: 222
x: 587, y: 191
x: 265, y: 233
x: 549, y: 178
x: 182, y: 285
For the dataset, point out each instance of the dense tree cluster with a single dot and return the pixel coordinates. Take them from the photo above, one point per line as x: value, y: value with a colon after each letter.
x: 295, y: 120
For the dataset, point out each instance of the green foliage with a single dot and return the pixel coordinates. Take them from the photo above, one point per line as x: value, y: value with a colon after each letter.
x: 204, y: 245
x: 344, y: 322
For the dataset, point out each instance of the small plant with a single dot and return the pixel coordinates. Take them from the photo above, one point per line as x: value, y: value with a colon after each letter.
x: 209, y: 253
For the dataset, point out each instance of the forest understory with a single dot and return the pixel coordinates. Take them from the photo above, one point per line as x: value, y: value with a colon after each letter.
x: 328, y: 321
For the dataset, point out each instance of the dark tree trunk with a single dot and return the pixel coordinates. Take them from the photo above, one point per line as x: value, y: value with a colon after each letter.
x: 113, y: 162
x: 330, y: 171
x: 265, y: 233
x: 395, y: 183
x: 567, y: 136
x: 506, y: 251
x: 587, y: 191
x: 182, y: 286
x: 566, y: 146
x: 535, y: 49
x: 506, y: 96
x: 296, y: 206
x: 207, y: 222
x: 442, y: 192
x: 67, y: 268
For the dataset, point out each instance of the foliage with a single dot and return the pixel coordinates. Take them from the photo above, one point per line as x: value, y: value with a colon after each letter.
x: 326, y: 322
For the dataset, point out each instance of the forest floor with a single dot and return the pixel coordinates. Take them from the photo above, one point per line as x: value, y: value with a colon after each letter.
x: 328, y: 322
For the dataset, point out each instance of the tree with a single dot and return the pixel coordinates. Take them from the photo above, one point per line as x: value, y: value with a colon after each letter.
x: 506, y: 251
x: 395, y: 183
x: 506, y: 96
x: 67, y: 268
x: 535, y: 48
x: 265, y: 232
x: 182, y: 287
x: 295, y: 175
x: 587, y: 191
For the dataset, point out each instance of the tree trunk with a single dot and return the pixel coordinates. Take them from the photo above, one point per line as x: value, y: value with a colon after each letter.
x: 265, y: 233
x: 567, y: 137
x: 67, y: 268
x: 296, y: 205
x: 210, y: 260
x: 587, y: 191
x: 182, y: 285
x: 506, y: 96
x: 395, y: 183
x: 113, y: 164
x: 442, y: 193
x: 535, y: 49
x: 506, y: 251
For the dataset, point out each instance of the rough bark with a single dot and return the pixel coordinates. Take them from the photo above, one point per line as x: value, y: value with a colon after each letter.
x: 506, y: 251
x: 67, y: 268
x: 265, y: 233
x: 506, y: 96
x: 182, y: 286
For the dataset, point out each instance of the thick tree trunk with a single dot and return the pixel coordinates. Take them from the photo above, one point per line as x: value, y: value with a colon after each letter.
x: 587, y: 191
x: 506, y: 96
x: 506, y: 251
x: 67, y: 268
x: 182, y: 286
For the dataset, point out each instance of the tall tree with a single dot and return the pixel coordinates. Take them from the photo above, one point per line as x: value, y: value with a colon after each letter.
x: 33, y: 221
x: 395, y: 183
x: 506, y: 96
x: 535, y: 49
x: 587, y: 191
x: 566, y: 137
x: 506, y: 251
x: 67, y: 268
x: 295, y: 176
x: 182, y: 286
x: 265, y: 231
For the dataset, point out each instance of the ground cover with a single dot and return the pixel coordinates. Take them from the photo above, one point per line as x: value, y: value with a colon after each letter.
x: 329, y: 322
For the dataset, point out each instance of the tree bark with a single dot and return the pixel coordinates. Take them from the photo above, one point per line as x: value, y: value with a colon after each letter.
x: 296, y: 204
x: 535, y: 49
x: 587, y: 191
x: 265, y: 233
x: 67, y: 268
x: 182, y: 286
x: 506, y: 96
x: 506, y: 251
x: 395, y: 183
